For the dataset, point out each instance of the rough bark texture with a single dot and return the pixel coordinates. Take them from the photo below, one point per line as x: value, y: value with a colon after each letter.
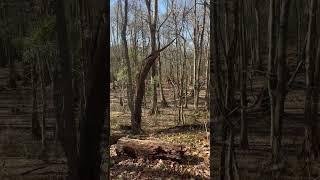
x: 216, y: 94
x: 153, y: 149
x: 97, y: 105
x: 64, y: 94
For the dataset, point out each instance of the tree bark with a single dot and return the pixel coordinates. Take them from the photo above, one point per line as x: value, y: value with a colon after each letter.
x: 271, y: 67
x: 97, y: 106
x: 34, y: 118
x: 44, y: 105
x: 153, y: 27
x: 258, y: 38
x: 312, y: 136
x: 66, y: 123
x: 216, y: 90
x: 243, y: 81
x: 281, y: 82
x: 12, y: 70
x: 153, y: 149
x: 140, y: 91
x: 126, y: 56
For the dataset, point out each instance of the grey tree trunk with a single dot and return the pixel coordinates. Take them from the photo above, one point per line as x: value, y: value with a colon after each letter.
x: 152, y: 20
x: 126, y: 56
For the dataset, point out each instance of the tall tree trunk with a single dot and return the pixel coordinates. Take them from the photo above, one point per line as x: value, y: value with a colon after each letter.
x: 271, y: 67
x: 44, y: 106
x: 215, y: 79
x: 312, y: 138
x: 140, y: 89
x: 258, y: 38
x: 34, y: 118
x: 230, y: 79
x: 243, y: 80
x: 153, y: 27
x: 126, y: 56
x: 97, y: 106
x: 281, y: 82
x: 64, y: 94
x: 162, y: 97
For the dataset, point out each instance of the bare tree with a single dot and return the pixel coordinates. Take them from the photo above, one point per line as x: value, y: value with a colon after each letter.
x: 152, y: 21
x: 126, y: 56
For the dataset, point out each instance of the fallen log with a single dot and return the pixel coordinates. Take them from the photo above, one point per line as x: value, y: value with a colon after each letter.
x: 151, y: 149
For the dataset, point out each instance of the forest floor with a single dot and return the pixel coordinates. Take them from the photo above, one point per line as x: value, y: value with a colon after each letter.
x: 21, y: 158
x: 20, y: 152
x: 163, y: 126
x: 255, y: 162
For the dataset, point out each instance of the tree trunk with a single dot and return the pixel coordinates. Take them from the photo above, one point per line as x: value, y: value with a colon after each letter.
x: 44, y: 106
x: 215, y: 79
x: 281, y: 83
x: 230, y: 79
x: 34, y: 119
x: 66, y: 123
x: 243, y: 81
x: 126, y: 56
x: 312, y: 138
x: 12, y: 71
x: 162, y: 97
x: 257, y: 43
x: 97, y: 106
x: 271, y: 67
x: 153, y: 27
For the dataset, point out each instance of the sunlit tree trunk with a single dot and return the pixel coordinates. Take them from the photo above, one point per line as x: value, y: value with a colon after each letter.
x: 126, y: 56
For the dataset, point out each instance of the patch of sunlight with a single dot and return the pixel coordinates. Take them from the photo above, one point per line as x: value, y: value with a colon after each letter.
x: 191, y: 139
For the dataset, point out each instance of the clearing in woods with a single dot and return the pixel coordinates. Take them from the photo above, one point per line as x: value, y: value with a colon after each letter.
x: 253, y: 163
x: 163, y: 126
